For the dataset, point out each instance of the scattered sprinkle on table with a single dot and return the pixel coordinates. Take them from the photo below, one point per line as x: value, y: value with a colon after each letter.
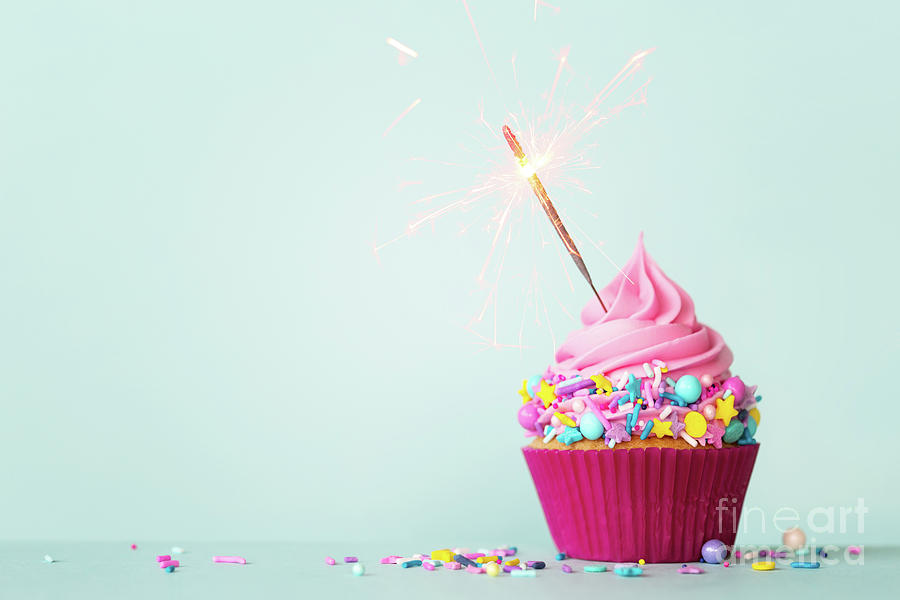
x: 628, y: 570
x: 521, y: 573
x: 686, y: 570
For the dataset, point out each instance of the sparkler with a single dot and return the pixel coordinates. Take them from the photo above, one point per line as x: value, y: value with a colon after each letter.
x: 548, y: 207
x: 558, y: 146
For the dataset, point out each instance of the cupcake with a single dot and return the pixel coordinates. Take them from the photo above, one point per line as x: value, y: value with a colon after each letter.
x: 643, y: 439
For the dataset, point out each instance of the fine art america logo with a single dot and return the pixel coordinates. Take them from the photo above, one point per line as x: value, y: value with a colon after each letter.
x: 786, y: 521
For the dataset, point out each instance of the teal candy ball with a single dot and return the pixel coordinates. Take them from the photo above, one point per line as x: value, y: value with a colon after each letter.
x: 688, y: 388
x: 733, y: 432
x: 590, y: 426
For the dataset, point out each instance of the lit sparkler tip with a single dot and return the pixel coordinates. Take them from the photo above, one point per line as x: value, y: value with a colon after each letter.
x: 544, y: 198
x: 513, y: 142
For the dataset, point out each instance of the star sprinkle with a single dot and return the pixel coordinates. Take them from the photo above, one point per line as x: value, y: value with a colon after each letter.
x: 661, y: 428
x: 570, y: 435
x: 524, y: 392
x: 714, y: 433
x: 725, y: 409
x: 617, y: 433
x: 547, y: 394
x: 602, y: 383
x: 677, y: 428
x: 633, y: 387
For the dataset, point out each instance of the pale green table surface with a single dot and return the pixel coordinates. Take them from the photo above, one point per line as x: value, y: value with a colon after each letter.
x: 285, y: 570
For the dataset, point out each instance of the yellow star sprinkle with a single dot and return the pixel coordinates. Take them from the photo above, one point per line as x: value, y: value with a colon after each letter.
x: 547, y: 394
x: 602, y: 383
x: 662, y: 428
x: 725, y: 409
x: 524, y: 392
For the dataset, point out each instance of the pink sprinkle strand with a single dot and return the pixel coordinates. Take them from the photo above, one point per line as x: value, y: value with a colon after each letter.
x: 168, y: 563
x: 428, y: 566
x: 163, y: 557
x: 237, y: 560
x: 329, y: 560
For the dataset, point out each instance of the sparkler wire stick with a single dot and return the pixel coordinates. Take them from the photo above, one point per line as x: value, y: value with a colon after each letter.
x: 548, y: 207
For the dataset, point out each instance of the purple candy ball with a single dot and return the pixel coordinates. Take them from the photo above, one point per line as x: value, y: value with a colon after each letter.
x: 736, y: 386
x: 528, y: 415
x: 714, y: 552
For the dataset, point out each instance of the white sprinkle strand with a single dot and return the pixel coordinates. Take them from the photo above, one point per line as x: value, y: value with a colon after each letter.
x: 689, y: 439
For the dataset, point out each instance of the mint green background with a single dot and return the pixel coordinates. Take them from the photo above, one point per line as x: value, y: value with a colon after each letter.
x: 197, y: 342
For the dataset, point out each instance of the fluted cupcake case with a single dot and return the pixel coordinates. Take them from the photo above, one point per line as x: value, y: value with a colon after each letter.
x: 656, y: 504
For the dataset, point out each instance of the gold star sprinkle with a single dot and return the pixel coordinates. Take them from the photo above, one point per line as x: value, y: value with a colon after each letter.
x: 547, y: 393
x: 524, y: 391
x: 725, y: 409
x: 662, y: 428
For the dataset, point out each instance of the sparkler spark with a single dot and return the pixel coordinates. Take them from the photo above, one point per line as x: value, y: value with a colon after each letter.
x: 547, y: 4
x: 402, y: 48
x: 400, y: 116
x: 548, y: 207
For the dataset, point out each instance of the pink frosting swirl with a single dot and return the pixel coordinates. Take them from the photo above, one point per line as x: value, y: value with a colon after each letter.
x: 651, y: 318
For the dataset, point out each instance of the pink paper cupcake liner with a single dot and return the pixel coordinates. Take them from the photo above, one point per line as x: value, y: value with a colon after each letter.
x: 659, y: 504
